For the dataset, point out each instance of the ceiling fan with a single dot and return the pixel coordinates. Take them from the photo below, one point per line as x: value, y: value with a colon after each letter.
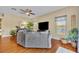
x: 24, y: 11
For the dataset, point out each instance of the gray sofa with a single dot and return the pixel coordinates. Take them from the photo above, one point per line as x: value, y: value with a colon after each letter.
x: 34, y: 39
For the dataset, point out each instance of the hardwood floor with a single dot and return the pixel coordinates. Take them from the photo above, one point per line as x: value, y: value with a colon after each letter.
x: 8, y: 45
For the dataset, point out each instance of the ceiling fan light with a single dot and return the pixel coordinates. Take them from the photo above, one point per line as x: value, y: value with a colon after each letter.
x: 27, y: 13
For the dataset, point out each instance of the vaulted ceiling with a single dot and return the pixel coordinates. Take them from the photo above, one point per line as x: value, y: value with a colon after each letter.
x: 38, y: 10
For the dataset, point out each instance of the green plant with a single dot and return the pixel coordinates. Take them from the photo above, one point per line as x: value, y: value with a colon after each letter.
x: 30, y: 26
x: 13, y: 32
x: 72, y: 35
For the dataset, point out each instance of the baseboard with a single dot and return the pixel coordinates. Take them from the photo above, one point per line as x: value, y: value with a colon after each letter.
x: 6, y: 36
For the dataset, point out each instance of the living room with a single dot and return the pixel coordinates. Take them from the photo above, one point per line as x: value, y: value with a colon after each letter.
x: 60, y: 20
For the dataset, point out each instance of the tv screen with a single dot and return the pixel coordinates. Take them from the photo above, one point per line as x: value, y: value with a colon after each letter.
x: 43, y: 26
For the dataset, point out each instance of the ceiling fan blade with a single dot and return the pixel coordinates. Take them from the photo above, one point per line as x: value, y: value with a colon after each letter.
x: 22, y: 10
x: 28, y: 10
x: 13, y: 9
x: 32, y: 13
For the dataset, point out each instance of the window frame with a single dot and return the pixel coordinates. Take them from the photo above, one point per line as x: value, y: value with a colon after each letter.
x: 65, y: 26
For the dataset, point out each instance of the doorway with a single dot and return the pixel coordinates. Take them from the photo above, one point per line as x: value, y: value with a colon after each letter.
x: 0, y: 27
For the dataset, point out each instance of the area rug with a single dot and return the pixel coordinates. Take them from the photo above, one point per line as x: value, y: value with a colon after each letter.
x: 63, y: 50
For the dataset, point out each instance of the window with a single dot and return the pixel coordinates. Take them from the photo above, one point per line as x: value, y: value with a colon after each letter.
x: 60, y: 25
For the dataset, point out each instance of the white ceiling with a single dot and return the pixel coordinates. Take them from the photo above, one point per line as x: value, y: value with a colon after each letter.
x: 38, y: 10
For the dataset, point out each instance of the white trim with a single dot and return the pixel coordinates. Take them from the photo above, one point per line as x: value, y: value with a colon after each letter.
x: 6, y: 36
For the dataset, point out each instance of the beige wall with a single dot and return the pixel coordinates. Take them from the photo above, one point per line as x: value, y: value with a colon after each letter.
x: 9, y: 21
x: 69, y: 11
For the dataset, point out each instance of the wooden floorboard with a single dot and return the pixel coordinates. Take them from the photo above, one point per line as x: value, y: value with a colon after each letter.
x: 8, y: 45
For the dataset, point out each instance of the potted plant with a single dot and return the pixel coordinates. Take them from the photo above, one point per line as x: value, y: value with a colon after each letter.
x: 13, y: 34
x: 30, y: 26
x: 72, y: 36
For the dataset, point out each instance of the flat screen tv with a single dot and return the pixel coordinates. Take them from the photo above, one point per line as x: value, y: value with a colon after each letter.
x: 42, y: 26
